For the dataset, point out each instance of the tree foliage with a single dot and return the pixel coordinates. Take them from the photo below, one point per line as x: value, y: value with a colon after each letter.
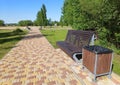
x: 42, y: 17
x: 39, y: 18
x: 67, y: 17
x: 102, y: 15
x: 25, y: 23
x: 2, y: 23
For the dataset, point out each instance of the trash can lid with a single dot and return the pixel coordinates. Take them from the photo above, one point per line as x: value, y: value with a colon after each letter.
x: 98, y: 49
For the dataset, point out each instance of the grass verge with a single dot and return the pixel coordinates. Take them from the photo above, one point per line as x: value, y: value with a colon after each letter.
x: 8, y: 39
x: 116, y: 64
x: 54, y: 35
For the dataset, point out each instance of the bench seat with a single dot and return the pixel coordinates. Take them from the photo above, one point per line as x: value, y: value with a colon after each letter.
x: 75, y: 41
x: 68, y: 48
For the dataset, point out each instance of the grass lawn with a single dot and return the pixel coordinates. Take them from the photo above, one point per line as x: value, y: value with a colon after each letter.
x: 54, y: 35
x: 58, y: 35
x: 8, y: 39
x: 116, y: 64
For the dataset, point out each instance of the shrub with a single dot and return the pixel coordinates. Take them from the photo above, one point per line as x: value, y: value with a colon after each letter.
x: 2, y: 23
x: 18, y: 31
x: 25, y: 23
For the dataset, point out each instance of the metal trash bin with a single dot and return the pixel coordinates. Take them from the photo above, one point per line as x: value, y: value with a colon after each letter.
x: 97, y: 60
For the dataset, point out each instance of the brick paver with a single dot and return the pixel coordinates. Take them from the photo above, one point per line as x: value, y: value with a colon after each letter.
x: 33, y: 61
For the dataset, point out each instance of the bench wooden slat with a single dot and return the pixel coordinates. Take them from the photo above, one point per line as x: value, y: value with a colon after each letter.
x: 68, y: 48
x: 75, y: 40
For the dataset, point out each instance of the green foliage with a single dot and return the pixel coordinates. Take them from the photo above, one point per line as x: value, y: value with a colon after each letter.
x: 117, y: 36
x: 25, y: 23
x: 102, y: 15
x: 44, y: 15
x: 11, y: 24
x: 18, y: 31
x: 102, y: 37
x: 49, y: 22
x: 2, y: 23
x: 116, y: 64
x: 35, y: 23
x: 55, y: 23
x: 41, y: 17
x: 67, y: 11
x: 80, y: 14
x: 62, y: 21
x: 110, y: 18
x: 103, y: 32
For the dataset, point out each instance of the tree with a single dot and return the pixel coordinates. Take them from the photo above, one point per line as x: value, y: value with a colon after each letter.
x: 35, y: 23
x: 2, y: 23
x: 67, y: 11
x: 102, y: 15
x: 61, y: 21
x: 78, y: 18
x: 111, y: 20
x: 25, y: 23
x: 49, y: 22
x: 81, y: 14
x: 42, y: 17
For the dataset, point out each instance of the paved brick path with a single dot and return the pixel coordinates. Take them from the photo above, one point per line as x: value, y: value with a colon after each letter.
x: 33, y: 61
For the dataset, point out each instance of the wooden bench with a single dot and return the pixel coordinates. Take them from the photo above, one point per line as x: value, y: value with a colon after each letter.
x: 75, y: 40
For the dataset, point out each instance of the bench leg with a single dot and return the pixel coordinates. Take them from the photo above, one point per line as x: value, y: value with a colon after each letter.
x: 75, y: 57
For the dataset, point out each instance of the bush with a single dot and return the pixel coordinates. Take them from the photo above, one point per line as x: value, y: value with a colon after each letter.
x: 25, y: 23
x: 18, y: 31
x: 2, y: 23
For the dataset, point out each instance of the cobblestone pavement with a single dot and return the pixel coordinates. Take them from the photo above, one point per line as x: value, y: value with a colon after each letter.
x: 33, y: 61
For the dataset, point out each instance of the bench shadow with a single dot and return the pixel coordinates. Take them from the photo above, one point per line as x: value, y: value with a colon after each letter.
x: 6, y: 34
x: 112, y: 67
x: 10, y: 47
x: 48, y: 34
x: 10, y: 34
x: 10, y: 39
x: 20, y: 37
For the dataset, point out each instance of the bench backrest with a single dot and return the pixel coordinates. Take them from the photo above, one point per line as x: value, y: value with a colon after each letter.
x: 79, y: 38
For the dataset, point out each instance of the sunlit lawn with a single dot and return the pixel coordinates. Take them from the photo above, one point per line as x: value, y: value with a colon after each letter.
x: 116, y: 64
x: 59, y: 35
x: 54, y: 35
x: 8, y: 39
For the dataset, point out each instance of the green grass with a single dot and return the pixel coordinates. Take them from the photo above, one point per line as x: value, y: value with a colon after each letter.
x: 8, y: 39
x: 116, y: 64
x: 54, y: 35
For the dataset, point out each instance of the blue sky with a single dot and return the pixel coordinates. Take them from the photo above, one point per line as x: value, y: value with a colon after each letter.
x: 12, y: 11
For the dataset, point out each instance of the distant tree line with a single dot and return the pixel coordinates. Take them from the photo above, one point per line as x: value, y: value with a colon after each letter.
x: 102, y: 16
x: 28, y: 23
x: 2, y: 23
x: 25, y: 23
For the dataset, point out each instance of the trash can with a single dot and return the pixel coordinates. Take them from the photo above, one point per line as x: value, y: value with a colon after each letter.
x: 97, y: 60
